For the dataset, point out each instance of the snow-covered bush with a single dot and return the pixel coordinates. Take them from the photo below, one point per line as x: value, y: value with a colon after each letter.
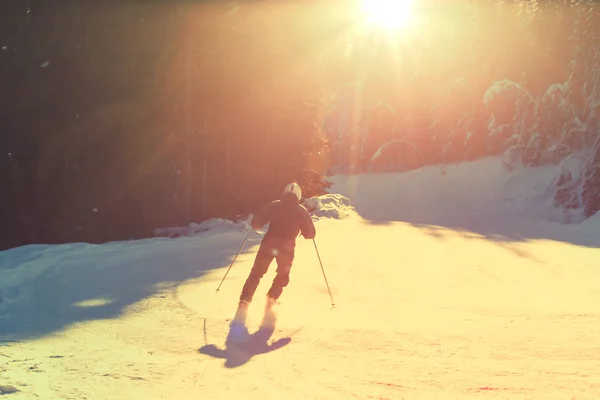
x: 574, y: 187
x: 513, y: 115
x: 513, y: 157
x: 577, y: 182
x: 591, y: 185
x: 543, y: 130
x: 333, y: 206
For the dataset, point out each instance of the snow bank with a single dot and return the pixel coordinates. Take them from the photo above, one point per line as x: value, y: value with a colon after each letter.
x: 480, y: 196
x: 333, y: 206
x: 447, y: 192
x: 214, y: 225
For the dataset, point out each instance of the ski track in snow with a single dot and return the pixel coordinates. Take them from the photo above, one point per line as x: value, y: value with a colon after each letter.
x: 422, y: 312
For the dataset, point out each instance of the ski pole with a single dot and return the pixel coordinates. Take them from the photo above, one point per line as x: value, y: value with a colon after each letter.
x: 234, y: 258
x: 323, y: 269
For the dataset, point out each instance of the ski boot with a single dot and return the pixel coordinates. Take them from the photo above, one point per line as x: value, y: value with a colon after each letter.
x: 238, y: 332
x: 270, y: 317
x: 241, y: 313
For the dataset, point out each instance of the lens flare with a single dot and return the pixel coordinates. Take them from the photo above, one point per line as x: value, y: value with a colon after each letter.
x: 390, y: 14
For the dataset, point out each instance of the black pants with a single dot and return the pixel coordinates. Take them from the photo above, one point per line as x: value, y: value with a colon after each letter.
x: 283, y: 253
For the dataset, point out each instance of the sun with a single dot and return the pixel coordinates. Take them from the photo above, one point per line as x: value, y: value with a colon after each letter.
x: 390, y: 14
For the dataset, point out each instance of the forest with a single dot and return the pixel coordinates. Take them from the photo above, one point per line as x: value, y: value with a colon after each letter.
x: 118, y: 118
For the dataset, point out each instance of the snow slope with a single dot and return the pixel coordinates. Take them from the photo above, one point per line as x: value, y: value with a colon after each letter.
x: 447, y: 286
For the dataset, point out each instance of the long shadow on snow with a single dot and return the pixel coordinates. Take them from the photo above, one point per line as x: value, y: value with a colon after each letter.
x: 236, y: 355
x: 110, y: 277
x: 382, y: 209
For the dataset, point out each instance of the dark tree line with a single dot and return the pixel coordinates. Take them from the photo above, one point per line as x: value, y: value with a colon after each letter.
x: 117, y: 118
x: 121, y: 117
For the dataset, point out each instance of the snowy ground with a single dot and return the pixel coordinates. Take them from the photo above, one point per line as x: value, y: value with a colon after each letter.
x: 440, y: 294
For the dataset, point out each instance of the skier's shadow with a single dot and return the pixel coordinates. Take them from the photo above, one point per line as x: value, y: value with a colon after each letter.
x: 236, y: 355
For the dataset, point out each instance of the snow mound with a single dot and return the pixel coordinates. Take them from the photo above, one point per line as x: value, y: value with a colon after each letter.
x: 214, y: 225
x: 332, y: 206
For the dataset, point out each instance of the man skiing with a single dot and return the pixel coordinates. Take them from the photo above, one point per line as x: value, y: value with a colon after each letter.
x: 287, y: 218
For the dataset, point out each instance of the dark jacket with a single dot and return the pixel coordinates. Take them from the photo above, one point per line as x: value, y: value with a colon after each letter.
x: 286, y: 218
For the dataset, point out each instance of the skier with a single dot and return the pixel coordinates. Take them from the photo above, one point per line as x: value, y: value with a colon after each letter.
x: 287, y: 218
